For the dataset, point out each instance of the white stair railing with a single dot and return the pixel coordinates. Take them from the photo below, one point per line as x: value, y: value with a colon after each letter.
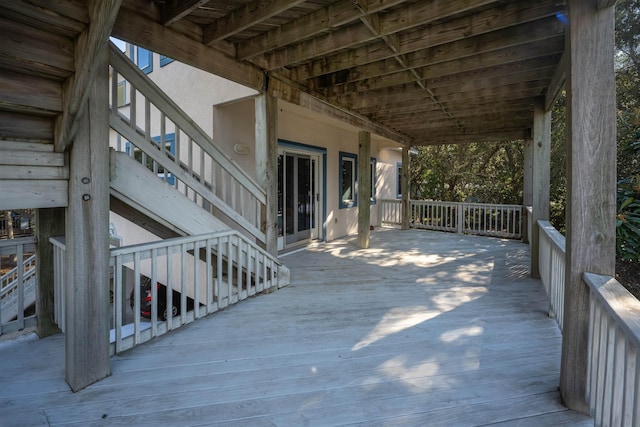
x: 163, y: 138
x: 17, y: 286
x: 198, y: 275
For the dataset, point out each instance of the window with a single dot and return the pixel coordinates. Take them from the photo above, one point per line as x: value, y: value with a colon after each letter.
x: 122, y: 94
x: 164, y: 60
x: 143, y: 58
x: 142, y: 158
x: 399, y: 180
x: 348, y: 179
x: 372, y: 175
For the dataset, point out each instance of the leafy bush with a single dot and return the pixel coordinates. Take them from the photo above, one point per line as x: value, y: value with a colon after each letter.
x: 628, y: 219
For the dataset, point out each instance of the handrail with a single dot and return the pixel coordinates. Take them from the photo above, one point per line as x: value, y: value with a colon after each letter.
x: 192, y: 163
x: 552, y: 268
x: 613, y: 382
x: 484, y: 219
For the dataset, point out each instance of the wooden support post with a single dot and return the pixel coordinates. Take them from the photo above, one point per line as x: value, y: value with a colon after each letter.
x: 49, y: 223
x: 539, y: 178
x: 364, y: 189
x: 266, y: 111
x: 87, y: 245
x: 591, y: 180
x: 406, y: 205
x: 527, y: 186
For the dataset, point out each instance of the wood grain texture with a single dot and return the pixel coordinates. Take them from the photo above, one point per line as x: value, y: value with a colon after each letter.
x: 50, y: 223
x: 364, y: 189
x: 87, y: 241
x: 591, y: 179
x: 89, y: 48
x: 26, y: 193
x: 425, y: 328
x: 540, y: 177
x: 266, y: 134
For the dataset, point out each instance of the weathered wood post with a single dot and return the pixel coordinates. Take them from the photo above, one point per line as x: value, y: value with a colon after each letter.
x: 539, y: 178
x: 527, y: 185
x: 266, y: 109
x: 364, y: 189
x: 591, y: 179
x: 87, y: 244
x: 406, y: 205
x: 50, y: 222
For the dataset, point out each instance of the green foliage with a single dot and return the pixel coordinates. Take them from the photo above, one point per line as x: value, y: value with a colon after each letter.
x: 628, y: 219
x: 477, y: 172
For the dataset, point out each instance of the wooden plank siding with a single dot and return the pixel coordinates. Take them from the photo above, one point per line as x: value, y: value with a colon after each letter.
x: 427, y: 328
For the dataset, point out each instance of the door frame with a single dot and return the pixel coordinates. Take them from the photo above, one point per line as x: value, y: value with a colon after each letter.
x: 285, y: 146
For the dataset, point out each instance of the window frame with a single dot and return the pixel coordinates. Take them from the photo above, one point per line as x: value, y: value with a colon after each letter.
x: 399, y: 180
x: 353, y: 159
x: 373, y: 171
x: 135, y: 57
x: 165, y: 60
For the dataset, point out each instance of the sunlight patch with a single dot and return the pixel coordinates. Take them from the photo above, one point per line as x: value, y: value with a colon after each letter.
x: 396, y: 320
x: 471, y: 331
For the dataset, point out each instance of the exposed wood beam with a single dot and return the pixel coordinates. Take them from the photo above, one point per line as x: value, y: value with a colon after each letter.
x: 175, y: 10
x: 147, y: 33
x: 288, y: 92
x: 524, y: 70
x: 435, y: 35
x: 90, y: 47
x: 399, y: 95
x: 471, y: 110
x: 320, y: 21
x: 522, y: 98
x: 243, y: 18
x: 183, y: 48
x: 498, y: 136
x: 415, y: 14
x: 557, y: 83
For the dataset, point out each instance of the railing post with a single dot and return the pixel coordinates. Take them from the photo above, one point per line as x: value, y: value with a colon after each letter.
x: 459, y: 217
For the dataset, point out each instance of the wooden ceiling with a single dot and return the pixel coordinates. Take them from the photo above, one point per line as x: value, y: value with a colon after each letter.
x: 415, y: 71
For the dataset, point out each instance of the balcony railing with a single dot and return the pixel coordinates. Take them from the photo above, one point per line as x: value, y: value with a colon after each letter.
x: 464, y: 218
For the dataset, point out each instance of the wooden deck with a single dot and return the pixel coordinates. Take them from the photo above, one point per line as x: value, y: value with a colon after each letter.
x: 424, y: 329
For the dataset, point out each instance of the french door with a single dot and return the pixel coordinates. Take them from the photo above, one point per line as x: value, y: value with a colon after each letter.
x: 298, y: 197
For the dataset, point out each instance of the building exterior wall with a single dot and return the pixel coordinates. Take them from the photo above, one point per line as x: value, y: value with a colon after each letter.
x: 226, y: 111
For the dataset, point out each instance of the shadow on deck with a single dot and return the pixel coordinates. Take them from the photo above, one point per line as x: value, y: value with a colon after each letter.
x: 423, y: 329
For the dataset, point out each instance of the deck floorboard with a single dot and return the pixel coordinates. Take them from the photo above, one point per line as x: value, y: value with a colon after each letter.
x: 423, y: 329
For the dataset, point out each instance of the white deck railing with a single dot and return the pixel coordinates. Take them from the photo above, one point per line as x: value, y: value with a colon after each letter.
x: 163, y: 138
x: 551, y: 259
x: 613, y: 379
x: 18, y: 286
x: 463, y: 218
x: 390, y: 211
x: 198, y: 275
